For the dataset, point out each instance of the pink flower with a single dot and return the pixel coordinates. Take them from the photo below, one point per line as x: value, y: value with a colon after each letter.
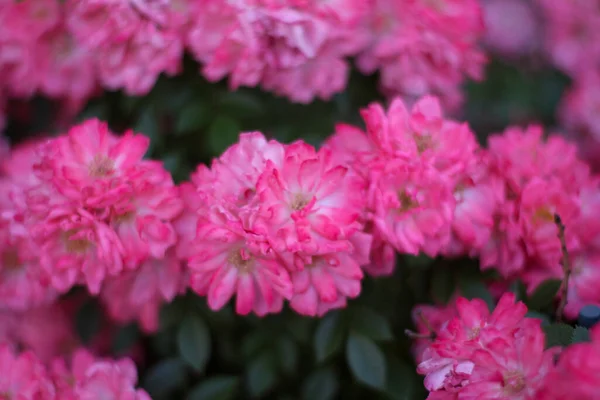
x: 139, y: 294
x: 310, y: 204
x: 511, y: 368
x: 578, y: 109
x: 571, y: 34
x: 228, y: 260
x: 330, y: 279
x: 87, y: 378
x: 430, y: 320
x: 422, y: 47
x: 47, y: 331
x: 23, y: 376
x: 295, y: 49
x: 133, y: 42
x: 576, y: 374
x: 512, y: 27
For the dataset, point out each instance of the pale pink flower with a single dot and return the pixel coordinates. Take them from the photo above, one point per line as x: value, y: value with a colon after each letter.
x: 330, y: 279
x: 138, y: 295
x: 23, y: 376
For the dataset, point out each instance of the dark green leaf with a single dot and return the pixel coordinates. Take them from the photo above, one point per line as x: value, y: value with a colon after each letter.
x: 288, y: 355
x: 402, y: 380
x: 215, y: 388
x: 172, y: 162
x: 171, y: 314
x: 125, y: 338
x: 442, y: 285
x: 193, y: 340
x: 329, y: 336
x: 558, y: 334
x: 241, y: 104
x: 369, y: 323
x: 366, y: 361
x: 88, y: 321
x: 580, y: 335
x: 544, y: 295
x: 193, y: 117
x: 543, y: 317
x: 222, y: 133
x: 148, y: 126
x: 320, y: 385
x: 261, y: 375
x: 165, y: 377
x: 472, y: 287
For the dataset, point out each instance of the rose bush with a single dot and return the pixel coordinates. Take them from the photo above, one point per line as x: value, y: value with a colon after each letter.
x: 296, y: 199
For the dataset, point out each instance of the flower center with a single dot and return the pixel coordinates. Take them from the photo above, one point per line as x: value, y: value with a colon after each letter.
x: 299, y: 202
x: 75, y: 246
x: 474, y: 333
x: 406, y: 201
x: 513, y: 382
x: 423, y: 142
x: 101, y: 166
x: 543, y: 214
x: 243, y: 264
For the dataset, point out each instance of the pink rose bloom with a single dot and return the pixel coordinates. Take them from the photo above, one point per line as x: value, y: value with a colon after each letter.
x: 430, y: 320
x: 572, y: 34
x: 296, y: 49
x: 579, y: 107
x: 511, y: 27
x: 576, y: 374
x: 23, y: 376
x: 139, y: 295
x: 422, y: 47
x: 87, y: 378
x: 132, y: 42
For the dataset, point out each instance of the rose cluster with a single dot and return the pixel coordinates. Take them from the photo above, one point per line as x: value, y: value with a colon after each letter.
x: 83, y: 376
x: 269, y: 222
x: 298, y: 49
x: 571, y: 38
x: 474, y: 354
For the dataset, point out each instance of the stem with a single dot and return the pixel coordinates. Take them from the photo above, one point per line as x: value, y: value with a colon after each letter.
x: 415, y: 335
x: 566, y: 266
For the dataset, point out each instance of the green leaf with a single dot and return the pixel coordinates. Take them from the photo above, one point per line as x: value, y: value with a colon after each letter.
x: 580, y: 335
x: 558, y: 334
x: 320, y: 385
x: 241, y: 104
x: 472, y: 287
x: 165, y: 377
x: 261, y: 375
x: 88, y: 321
x: 329, y: 336
x: 222, y: 133
x: 215, y: 388
x: 148, y: 126
x: 172, y: 313
x: 369, y: 323
x: 402, y: 380
x: 288, y: 355
x: 126, y: 337
x: 544, y: 295
x: 442, y: 285
x: 538, y: 315
x: 194, y: 117
x: 366, y: 361
x: 193, y: 341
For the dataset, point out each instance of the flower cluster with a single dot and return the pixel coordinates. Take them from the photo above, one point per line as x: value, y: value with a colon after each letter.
x: 85, y: 208
x: 476, y: 354
x: 271, y: 222
x: 298, y: 49
x: 83, y: 377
